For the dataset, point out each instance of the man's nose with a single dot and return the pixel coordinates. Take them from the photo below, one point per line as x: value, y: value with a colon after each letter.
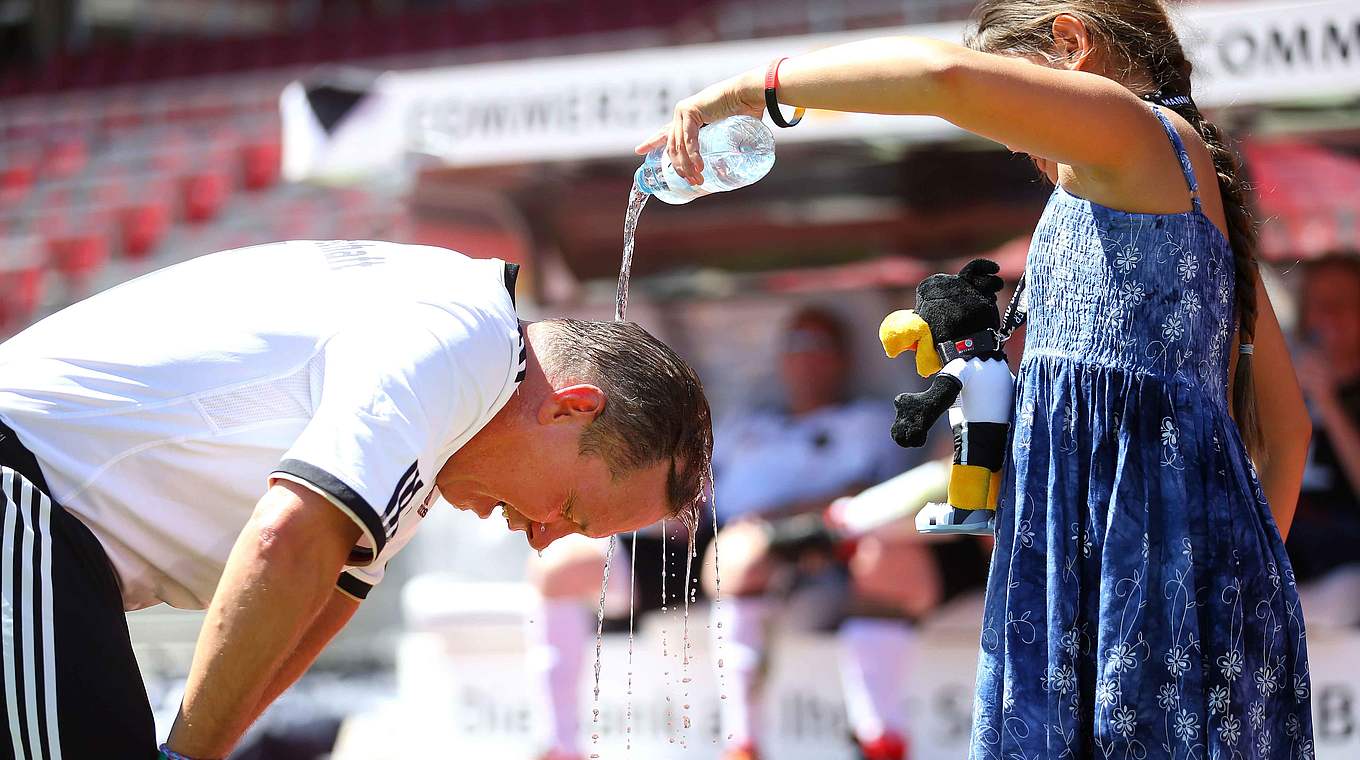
x: 542, y: 535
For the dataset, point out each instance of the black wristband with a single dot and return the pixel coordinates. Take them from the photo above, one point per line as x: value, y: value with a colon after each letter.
x: 772, y: 98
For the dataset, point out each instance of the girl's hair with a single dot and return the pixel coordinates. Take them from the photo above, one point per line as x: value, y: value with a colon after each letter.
x: 1142, y: 40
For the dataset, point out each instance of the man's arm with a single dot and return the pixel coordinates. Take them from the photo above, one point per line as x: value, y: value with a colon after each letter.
x: 334, y: 616
x: 278, y: 578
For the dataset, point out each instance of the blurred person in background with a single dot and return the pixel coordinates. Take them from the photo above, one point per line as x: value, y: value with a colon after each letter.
x: 257, y: 432
x: 561, y: 630
x: 771, y: 463
x: 1324, y: 544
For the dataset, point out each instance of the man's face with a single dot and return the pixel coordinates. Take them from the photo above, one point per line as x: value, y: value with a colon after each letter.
x: 813, y: 366
x: 578, y: 495
x: 547, y: 488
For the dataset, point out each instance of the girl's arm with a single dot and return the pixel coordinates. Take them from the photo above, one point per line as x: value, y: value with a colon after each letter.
x: 1069, y: 116
x: 1285, y: 425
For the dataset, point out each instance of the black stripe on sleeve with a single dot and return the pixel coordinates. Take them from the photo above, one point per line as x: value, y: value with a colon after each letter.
x: 342, y: 495
x: 511, y: 274
x: 353, y: 586
x: 523, y: 358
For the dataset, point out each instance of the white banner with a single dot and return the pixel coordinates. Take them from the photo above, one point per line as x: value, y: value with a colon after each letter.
x: 593, y: 106
x: 469, y: 695
x: 602, y: 105
x: 1273, y: 52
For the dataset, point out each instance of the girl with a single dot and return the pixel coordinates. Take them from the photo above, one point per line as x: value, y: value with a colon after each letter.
x: 1140, y: 602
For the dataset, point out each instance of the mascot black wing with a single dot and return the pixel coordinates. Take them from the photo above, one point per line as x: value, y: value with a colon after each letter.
x: 954, y: 332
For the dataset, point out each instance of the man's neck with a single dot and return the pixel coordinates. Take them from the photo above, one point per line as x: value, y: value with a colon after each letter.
x: 501, y: 436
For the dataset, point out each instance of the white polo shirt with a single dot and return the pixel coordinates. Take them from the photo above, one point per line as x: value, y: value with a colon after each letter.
x: 161, y: 409
x: 765, y: 460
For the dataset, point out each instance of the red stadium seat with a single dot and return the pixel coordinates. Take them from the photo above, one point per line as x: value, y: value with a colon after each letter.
x: 65, y: 157
x: 15, y: 181
x: 203, y: 194
x: 141, y: 228
x: 260, y: 164
x: 20, y: 290
x: 77, y: 256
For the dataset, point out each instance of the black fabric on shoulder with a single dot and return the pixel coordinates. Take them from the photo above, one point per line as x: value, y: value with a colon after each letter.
x: 353, y: 586
x: 336, y: 489
x: 511, y: 274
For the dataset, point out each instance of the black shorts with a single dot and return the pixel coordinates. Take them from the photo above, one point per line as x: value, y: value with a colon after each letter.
x: 71, y: 687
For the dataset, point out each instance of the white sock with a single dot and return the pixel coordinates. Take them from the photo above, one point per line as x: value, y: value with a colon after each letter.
x: 873, y: 654
x: 560, y: 633
x: 741, y: 622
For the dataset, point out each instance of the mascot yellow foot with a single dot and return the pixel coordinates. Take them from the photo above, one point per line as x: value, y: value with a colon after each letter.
x: 971, y: 508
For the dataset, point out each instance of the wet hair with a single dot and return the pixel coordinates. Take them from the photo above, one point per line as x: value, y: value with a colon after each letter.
x: 1142, y: 40
x: 655, y: 409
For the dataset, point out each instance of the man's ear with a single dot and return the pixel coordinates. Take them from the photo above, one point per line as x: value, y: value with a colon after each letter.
x: 571, y: 402
x: 1072, y: 41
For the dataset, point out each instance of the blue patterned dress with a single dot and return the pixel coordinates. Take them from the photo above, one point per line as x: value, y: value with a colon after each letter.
x: 1140, y: 603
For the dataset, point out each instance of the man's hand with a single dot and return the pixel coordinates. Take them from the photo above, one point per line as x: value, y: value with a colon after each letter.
x: 281, y: 573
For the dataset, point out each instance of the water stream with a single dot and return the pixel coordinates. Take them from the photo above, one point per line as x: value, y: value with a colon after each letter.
x: 599, y: 648
x: 636, y: 201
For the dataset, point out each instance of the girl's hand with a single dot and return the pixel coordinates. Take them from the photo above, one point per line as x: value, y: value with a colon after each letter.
x: 743, y: 94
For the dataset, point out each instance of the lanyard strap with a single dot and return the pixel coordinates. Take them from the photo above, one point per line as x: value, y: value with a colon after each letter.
x: 977, y: 344
x: 1018, y: 310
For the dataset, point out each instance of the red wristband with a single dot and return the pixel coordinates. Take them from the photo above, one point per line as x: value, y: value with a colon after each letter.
x: 772, y: 99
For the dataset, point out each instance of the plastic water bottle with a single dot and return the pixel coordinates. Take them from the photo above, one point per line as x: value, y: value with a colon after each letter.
x: 737, y: 151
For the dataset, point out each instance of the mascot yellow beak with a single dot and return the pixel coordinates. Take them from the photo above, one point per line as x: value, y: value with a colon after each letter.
x: 904, y: 330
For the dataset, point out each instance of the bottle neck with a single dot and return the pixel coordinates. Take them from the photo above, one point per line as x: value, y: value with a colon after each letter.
x: 645, y: 178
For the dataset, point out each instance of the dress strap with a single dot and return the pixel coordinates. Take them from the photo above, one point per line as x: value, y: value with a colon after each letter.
x: 1182, y: 156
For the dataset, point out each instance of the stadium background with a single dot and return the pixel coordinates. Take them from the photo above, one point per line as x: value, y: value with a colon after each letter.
x: 138, y: 133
